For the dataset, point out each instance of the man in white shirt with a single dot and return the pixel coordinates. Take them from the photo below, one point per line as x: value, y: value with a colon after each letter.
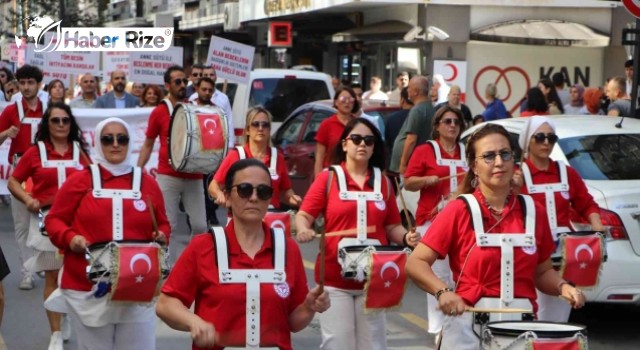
x: 402, y: 81
x: 88, y: 97
x: 375, y: 94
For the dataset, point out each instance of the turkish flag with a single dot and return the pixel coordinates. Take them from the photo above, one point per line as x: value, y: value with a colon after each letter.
x: 582, y: 258
x: 556, y: 344
x: 212, y: 131
x: 387, y: 280
x: 137, y: 276
x: 279, y: 220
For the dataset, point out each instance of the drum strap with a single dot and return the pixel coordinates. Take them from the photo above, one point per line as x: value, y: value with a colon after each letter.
x: 169, y: 106
x: 360, y: 197
x: 273, y: 161
x: 60, y: 165
x: 31, y: 121
x: 506, y: 241
x: 549, y: 191
x: 252, y: 278
x: 453, y: 164
x: 117, y: 196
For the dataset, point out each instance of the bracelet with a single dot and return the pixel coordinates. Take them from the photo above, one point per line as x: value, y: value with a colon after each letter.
x: 404, y: 239
x: 442, y: 291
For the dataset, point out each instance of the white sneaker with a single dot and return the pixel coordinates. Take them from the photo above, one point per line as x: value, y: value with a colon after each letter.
x: 26, y: 283
x: 65, y: 328
x: 56, y: 341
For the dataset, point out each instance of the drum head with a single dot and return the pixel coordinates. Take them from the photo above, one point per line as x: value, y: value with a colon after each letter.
x: 378, y: 248
x: 542, y: 329
x: 178, y: 138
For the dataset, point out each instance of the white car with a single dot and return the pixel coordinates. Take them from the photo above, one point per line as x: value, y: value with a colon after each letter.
x: 608, y: 159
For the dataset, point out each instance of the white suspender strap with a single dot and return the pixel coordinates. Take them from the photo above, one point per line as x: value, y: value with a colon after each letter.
x: 549, y: 190
x: 474, y: 208
x: 241, y: 153
x: 453, y: 164
x: 169, y: 106
x: 20, y: 110
x: 60, y: 165
x: 31, y: 121
x: 273, y: 162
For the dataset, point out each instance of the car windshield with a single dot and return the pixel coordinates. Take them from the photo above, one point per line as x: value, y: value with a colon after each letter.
x: 604, y: 157
x: 282, y: 96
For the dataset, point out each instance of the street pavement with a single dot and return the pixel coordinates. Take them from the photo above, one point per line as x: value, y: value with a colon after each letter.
x: 25, y: 326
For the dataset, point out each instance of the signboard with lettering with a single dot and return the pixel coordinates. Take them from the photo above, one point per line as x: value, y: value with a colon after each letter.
x: 233, y: 61
x: 114, y: 60
x: 454, y: 73
x: 280, y: 34
x: 72, y: 62
x: 149, y: 67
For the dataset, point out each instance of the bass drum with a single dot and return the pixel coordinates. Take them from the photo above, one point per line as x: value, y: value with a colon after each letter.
x: 198, y: 138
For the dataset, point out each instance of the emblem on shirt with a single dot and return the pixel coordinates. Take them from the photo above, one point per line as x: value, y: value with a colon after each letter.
x: 79, y: 166
x: 274, y: 175
x: 565, y: 194
x: 140, y: 205
x: 381, y: 205
x: 530, y: 249
x: 282, y: 289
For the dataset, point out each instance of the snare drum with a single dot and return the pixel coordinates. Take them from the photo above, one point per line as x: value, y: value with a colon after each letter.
x: 42, y: 213
x: 198, y: 138
x: 101, y: 259
x: 355, y: 260
x: 282, y: 219
x: 520, y: 335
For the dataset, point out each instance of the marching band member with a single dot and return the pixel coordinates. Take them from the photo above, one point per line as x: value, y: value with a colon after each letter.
x: 442, y: 157
x: 257, y: 143
x: 243, y: 267
x: 107, y: 203
x: 558, y: 188
x: 480, y: 232
x: 55, y: 157
x: 352, y: 194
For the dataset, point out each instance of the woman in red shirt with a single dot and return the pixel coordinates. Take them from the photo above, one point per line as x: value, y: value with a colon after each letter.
x: 327, y: 137
x: 257, y: 144
x: 212, y: 273
x: 570, y: 192
x: 433, y: 170
x: 536, y: 103
x: 55, y: 156
x: 108, y: 203
x: 359, y: 160
x: 471, y: 229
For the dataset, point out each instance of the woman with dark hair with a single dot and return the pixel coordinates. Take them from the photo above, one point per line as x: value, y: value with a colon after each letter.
x: 5, y: 76
x: 10, y: 88
x: 359, y: 162
x: 536, y: 103
x: 151, y: 96
x: 212, y: 273
x: 551, y: 95
x: 346, y: 104
x: 55, y: 156
x: 433, y: 170
x: 56, y: 91
x: 470, y: 229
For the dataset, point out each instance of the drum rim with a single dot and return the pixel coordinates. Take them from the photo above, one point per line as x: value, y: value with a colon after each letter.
x: 188, y: 140
x: 553, y: 334
x: 387, y: 248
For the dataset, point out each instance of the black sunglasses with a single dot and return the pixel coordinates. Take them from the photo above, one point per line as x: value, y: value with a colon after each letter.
x: 260, y: 124
x: 61, y: 121
x: 181, y: 81
x: 245, y: 190
x: 450, y: 121
x: 107, y: 140
x: 369, y: 140
x: 540, y: 137
x: 196, y: 74
x: 490, y: 157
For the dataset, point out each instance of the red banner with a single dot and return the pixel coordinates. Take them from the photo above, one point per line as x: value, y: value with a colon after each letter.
x: 212, y: 131
x: 582, y: 259
x: 279, y: 220
x: 137, y: 275
x: 556, y: 344
x: 387, y: 280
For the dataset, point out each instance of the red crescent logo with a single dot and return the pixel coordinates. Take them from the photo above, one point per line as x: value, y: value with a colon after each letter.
x: 632, y: 6
x: 454, y: 72
x: 503, y: 75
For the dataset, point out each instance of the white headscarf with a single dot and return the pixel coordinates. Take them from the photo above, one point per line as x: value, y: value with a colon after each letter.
x: 443, y: 90
x: 116, y: 169
x: 530, y: 126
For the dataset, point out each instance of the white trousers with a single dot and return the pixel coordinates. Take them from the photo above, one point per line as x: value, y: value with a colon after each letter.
x: 457, y: 333
x: 436, y: 317
x: 345, y: 325
x: 552, y: 308
x: 120, y: 336
x: 21, y: 223
x: 192, y: 194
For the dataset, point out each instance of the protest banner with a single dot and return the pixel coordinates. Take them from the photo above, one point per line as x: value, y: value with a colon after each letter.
x: 149, y: 67
x: 112, y: 61
x: 233, y: 61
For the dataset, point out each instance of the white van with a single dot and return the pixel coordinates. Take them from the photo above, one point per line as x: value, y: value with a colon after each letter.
x: 280, y: 91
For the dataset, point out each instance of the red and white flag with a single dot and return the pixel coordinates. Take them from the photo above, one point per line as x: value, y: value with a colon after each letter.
x: 279, y: 220
x: 212, y: 132
x: 387, y: 280
x: 582, y: 258
x: 557, y: 344
x: 137, y: 276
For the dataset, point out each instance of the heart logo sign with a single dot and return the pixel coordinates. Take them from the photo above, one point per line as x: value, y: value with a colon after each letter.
x: 512, y: 84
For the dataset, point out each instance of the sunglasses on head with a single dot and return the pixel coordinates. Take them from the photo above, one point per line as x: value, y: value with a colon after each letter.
x: 107, y: 140
x: 245, y: 191
x: 540, y: 137
x: 490, y: 157
x: 260, y: 124
x: 182, y: 81
x: 451, y: 121
x: 60, y: 121
x: 369, y: 140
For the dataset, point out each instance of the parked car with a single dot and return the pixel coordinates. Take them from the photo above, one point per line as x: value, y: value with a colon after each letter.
x: 296, y: 136
x: 608, y: 159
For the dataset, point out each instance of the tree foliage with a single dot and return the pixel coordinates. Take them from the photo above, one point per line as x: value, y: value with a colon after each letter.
x: 73, y: 13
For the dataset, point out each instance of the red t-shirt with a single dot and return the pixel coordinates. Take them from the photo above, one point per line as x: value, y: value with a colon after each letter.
x: 159, y: 124
x: 577, y: 198
x: 195, y: 277
x: 45, y: 180
x: 76, y: 212
x: 281, y: 183
x: 328, y: 134
x: 10, y: 117
x: 342, y: 215
x: 423, y: 163
x: 451, y: 233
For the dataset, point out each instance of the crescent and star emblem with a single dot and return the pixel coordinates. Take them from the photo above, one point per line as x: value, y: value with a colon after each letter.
x: 209, y: 120
x: 389, y: 265
x: 454, y: 72
x: 581, y: 247
x: 143, y: 257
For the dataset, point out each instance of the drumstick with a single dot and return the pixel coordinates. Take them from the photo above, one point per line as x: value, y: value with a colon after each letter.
x: 503, y: 311
x: 404, y: 205
x: 154, y: 222
x: 450, y: 176
x: 321, y: 277
x: 351, y: 231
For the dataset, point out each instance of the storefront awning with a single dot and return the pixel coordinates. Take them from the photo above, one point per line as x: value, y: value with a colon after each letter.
x: 380, y: 31
x: 541, y: 32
